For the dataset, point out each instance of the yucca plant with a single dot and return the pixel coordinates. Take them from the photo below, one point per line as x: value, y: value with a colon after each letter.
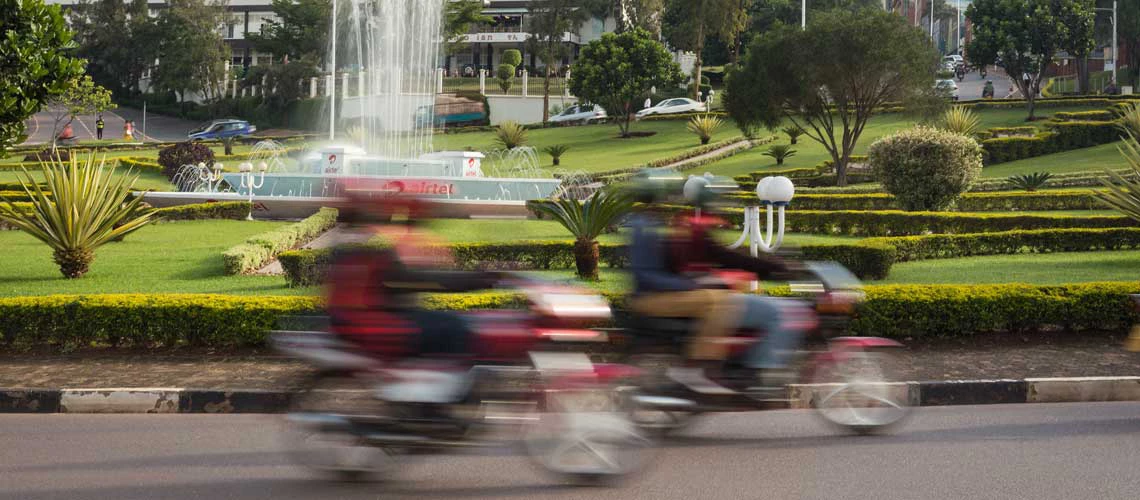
x: 793, y: 133
x: 1029, y: 182
x: 586, y: 221
x: 1130, y: 120
x: 510, y: 135
x: 779, y: 152
x: 704, y: 126
x: 556, y: 151
x: 77, y: 208
x: 961, y: 120
x: 1123, y: 193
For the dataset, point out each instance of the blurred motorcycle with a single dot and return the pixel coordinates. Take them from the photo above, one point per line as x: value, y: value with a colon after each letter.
x: 847, y: 376
x: 358, y: 415
x: 1133, y: 342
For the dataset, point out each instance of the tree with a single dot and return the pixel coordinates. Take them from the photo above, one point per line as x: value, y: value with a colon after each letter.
x: 644, y: 14
x: 301, y: 29
x: 36, y: 63
x: 458, y: 16
x: 192, y: 55
x: 689, y: 23
x: 118, y: 38
x: 83, y: 97
x: 586, y: 221
x: 550, y: 20
x: 511, y: 59
x: 926, y: 168
x: 829, y: 79
x: 619, y: 70
x: 1023, y: 36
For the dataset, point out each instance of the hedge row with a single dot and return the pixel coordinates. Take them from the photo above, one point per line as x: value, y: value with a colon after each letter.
x: 260, y: 249
x: 232, y: 210
x: 1101, y: 115
x: 1060, y: 136
x: 621, y: 174
x: 140, y: 164
x: 969, y: 202
x: 682, y: 116
x: 309, y: 267
x: 822, y: 175
x: 901, y: 311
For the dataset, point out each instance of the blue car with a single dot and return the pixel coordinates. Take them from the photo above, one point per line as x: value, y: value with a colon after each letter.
x: 220, y: 129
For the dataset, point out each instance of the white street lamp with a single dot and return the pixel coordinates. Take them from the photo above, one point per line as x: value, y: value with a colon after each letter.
x: 1115, y: 59
x: 248, y: 183
x: 212, y: 179
x: 773, y: 192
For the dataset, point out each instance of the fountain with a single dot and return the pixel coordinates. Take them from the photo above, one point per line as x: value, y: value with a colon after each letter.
x: 392, y: 48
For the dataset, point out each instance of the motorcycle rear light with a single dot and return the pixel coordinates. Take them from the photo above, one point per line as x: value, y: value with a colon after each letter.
x: 573, y: 335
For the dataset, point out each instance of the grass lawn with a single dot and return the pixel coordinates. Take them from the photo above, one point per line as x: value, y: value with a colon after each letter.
x: 142, y: 153
x: 1052, y: 268
x: 463, y: 231
x: 1093, y: 159
x: 147, y: 181
x: 593, y: 148
x: 175, y: 257
x: 810, y: 153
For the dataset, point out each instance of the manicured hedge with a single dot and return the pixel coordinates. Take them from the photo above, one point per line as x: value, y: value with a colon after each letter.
x: 969, y: 202
x: 140, y: 164
x: 822, y: 175
x: 1100, y: 115
x: 1060, y: 136
x: 234, y: 210
x: 260, y: 249
x: 681, y: 116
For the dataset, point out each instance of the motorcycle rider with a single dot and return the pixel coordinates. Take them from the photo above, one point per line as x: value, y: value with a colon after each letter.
x: 373, y: 290
x: 988, y: 90
x: 668, y: 283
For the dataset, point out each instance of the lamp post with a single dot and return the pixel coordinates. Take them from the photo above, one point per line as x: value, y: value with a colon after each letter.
x: 332, y: 82
x: 774, y: 192
x: 1115, y: 59
x: 803, y: 14
x: 211, y: 178
x: 248, y: 182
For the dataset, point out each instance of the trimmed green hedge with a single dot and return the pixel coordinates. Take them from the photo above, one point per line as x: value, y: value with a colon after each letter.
x: 1060, y: 136
x: 1100, y: 115
x: 140, y: 164
x: 260, y: 249
x: 969, y: 202
x: 234, y: 210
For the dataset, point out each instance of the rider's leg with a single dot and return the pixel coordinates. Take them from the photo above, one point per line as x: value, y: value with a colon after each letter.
x: 718, y: 310
x: 784, y: 322
x: 441, y: 333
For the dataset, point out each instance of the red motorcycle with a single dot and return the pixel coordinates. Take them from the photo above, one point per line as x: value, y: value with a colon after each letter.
x: 358, y: 415
x: 844, y: 378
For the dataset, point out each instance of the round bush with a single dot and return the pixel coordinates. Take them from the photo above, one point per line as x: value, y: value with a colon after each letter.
x: 184, y: 153
x: 926, y: 168
x: 512, y: 57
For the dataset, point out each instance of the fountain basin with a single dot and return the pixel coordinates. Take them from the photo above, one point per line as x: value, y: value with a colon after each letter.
x: 445, y: 188
x: 299, y: 207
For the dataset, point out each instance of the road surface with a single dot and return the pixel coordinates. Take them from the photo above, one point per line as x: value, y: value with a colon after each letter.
x: 1038, y: 452
x: 158, y: 128
x: 971, y: 86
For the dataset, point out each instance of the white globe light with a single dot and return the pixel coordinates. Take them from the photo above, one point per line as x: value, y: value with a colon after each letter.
x: 762, y: 189
x: 708, y: 175
x: 261, y: 167
x: 201, y: 164
x: 693, y: 188
x: 218, y: 166
x: 781, y: 190
x: 245, y: 166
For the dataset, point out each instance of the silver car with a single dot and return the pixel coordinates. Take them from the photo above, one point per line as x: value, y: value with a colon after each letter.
x: 584, y: 113
x: 672, y: 106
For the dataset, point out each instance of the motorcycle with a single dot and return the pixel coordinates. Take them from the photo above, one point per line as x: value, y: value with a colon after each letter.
x: 846, y: 383
x: 358, y: 415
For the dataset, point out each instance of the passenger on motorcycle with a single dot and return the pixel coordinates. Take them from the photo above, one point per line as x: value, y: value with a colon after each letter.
x: 672, y: 277
x: 373, y: 290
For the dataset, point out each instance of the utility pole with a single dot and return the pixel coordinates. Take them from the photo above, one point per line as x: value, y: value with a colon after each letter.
x: 803, y: 14
x: 332, y: 81
x: 932, y: 23
x: 958, y: 30
x: 1115, y: 57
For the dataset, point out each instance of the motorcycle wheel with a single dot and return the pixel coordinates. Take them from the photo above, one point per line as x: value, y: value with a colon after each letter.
x: 854, y: 392
x: 319, y: 434
x: 656, y: 422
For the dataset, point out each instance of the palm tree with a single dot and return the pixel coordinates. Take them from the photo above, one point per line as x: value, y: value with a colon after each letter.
x: 78, y: 208
x: 586, y: 221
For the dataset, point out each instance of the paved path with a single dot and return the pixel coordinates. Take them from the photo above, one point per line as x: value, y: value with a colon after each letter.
x: 683, y: 164
x: 158, y: 128
x: 1039, y: 452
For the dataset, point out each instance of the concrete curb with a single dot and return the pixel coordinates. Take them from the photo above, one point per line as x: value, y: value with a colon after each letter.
x: 931, y: 393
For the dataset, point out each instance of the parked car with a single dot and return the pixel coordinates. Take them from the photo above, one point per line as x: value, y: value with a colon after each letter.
x: 947, y: 88
x: 585, y: 113
x: 673, y: 106
x: 953, y: 58
x: 220, y: 129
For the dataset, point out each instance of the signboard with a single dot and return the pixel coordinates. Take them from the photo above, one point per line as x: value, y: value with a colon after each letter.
x: 509, y: 37
x: 332, y: 166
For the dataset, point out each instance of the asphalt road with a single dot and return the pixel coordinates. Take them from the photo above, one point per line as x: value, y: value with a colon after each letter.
x: 158, y: 128
x: 971, y: 86
x: 1039, y: 452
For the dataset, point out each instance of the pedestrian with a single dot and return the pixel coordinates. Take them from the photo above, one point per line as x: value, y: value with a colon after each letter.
x: 648, y: 102
x: 99, y: 128
x: 129, y: 131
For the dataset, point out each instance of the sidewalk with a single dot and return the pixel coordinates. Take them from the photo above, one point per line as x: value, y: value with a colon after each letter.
x: 1006, y: 357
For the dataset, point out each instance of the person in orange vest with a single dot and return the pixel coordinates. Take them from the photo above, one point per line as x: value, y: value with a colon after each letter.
x: 129, y: 130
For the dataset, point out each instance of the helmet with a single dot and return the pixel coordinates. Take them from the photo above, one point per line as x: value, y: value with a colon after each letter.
x: 654, y: 185
x: 703, y: 190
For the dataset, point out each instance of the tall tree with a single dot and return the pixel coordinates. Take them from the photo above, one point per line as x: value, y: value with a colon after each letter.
x: 192, y: 55
x: 35, y: 63
x: 550, y: 20
x: 689, y: 23
x: 458, y: 16
x: 118, y: 38
x: 619, y: 70
x: 1023, y: 37
x: 301, y: 29
x: 829, y: 79
x: 644, y: 14
x: 83, y: 97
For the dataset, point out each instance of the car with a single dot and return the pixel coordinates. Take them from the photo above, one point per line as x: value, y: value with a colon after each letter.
x: 953, y: 58
x: 221, y: 129
x: 947, y: 88
x: 584, y: 113
x: 673, y: 106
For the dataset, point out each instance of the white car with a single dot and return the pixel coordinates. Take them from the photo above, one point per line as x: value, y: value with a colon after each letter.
x: 953, y: 58
x: 947, y: 87
x: 672, y: 106
x: 585, y: 113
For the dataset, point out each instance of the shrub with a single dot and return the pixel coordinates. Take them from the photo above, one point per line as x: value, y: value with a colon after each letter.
x: 47, y: 155
x: 780, y: 152
x: 1130, y: 119
x: 793, y: 132
x: 586, y: 221
x: 969, y: 202
x: 1124, y: 189
x: 961, y: 120
x: 512, y: 57
x: 184, y: 153
x: 1082, y: 134
x: 510, y: 135
x: 1101, y: 115
x: 260, y: 249
x: 926, y: 168
x: 233, y: 210
x: 505, y: 75
x: 140, y: 164
x: 704, y: 126
x: 556, y: 151
x: 1003, y: 149
x: 1029, y: 182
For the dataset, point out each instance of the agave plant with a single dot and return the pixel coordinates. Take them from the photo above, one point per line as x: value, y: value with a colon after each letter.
x: 1130, y: 119
x: 1029, y: 182
x: 78, y: 208
x: 704, y: 126
x: 793, y: 132
x: 586, y: 221
x: 510, y: 135
x: 1123, y: 193
x: 961, y: 120
x: 779, y: 152
x: 556, y: 151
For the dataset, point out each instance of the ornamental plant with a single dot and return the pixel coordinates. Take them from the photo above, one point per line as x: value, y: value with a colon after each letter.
x: 586, y: 221
x: 510, y: 135
x: 961, y: 120
x: 1123, y: 192
x: 793, y: 133
x: 556, y: 151
x: 1029, y: 182
x: 704, y: 126
x: 779, y: 152
x: 926, y: 168
x: 184, y: 153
